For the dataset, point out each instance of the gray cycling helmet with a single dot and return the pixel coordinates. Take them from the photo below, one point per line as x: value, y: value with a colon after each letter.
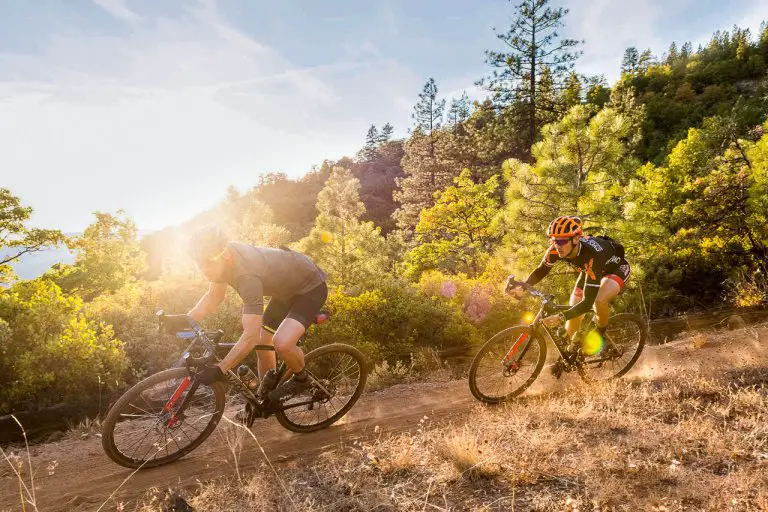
x: 207, y: 242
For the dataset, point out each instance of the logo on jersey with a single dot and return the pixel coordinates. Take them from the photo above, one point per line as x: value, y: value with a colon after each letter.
x: 593, y: 244
x: 614, y: 259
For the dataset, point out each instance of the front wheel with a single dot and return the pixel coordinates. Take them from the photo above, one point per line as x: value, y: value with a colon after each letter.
x: 141, y: 429
x: 507, y: 365
x: 620, y: 350
x: 339, y: 373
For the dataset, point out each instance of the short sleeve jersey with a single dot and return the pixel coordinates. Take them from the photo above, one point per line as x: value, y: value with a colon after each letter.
x: 259, y: 271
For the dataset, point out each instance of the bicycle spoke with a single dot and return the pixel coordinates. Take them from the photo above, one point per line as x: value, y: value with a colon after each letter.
x: 496, y: 380
x: 140, y: 432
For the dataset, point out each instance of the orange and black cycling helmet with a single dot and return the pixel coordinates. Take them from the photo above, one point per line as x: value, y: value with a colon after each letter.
x: 565, y: 226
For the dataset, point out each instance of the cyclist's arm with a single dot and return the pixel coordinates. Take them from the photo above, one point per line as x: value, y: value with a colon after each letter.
x: 209, y: 302
x: 590, y: 294
x: 249, y: 339
x: 547, y: 262
x: 251, y: 291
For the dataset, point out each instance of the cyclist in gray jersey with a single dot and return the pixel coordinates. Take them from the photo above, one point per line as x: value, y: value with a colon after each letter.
x: 295, y: 284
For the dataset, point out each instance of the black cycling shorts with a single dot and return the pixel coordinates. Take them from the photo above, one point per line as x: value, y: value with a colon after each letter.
x: 302, y: 308
x: 619, y: 272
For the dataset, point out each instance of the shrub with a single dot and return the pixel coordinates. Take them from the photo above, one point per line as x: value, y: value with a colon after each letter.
x: 51, y: 350
x: 391, y: 321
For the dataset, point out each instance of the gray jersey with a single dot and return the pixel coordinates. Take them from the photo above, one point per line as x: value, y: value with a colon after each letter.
x: 280, y: 273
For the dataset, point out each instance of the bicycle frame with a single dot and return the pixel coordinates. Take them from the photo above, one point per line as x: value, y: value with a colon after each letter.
x: 548, y: 307
x: 262, y: 404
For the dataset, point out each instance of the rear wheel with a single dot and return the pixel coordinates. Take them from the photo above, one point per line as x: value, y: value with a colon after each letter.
x: 507, y: 365
x: 624, y: 341
x: 139, y: 432
x: 340, y: 372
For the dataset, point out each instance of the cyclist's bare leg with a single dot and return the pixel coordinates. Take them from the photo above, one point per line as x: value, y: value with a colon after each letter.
x: 573, y: 325
x: 609, y: 290
x: 267, y: 358
x: 285, y: 339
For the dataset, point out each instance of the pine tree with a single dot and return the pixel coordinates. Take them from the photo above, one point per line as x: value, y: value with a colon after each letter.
x: 386, y: 133
x: 351, y: 251
x: 598, y: 92
x: 459, y: 110
x: 456, y: 234
x: 581, y: 168
x: 631, y: 61
x: 572, y: 93
x: 371, y: 141
x: 428, y: 112
x: 533, y: 46
x: 672, y: 54
x: 686, y: 51
x: 548, y: 98
x: 425, y: 174
x: 742, y: 43
x: 646, y: 60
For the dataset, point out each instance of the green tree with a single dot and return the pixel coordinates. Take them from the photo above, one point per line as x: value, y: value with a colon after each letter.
x: 386, y: 133
x: 428, y: 112
x: 108, y: 257
x: 455, y: 235
x: 581, y: 168
x: 16, y: 237
x: 686, y: 51
x: 532, y: 45
x: 707, y: 199
x: 598, y: 92
x: 250, y: 220
x: 672, y: 54
x: 646, y: 60
x: 428, y: 168
x: 372, y: 140
x: 572, y: 91
x: 459, y: 110
x: 631, y: 61
x: 548, y: 98
x: 352, y: 252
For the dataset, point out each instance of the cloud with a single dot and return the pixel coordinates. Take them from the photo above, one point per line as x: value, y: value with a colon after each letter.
x: 609, y: 27
x: 117, y: 8
x: 159, y: 119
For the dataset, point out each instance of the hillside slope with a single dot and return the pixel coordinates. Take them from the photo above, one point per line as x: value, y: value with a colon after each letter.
x: 689, y: 420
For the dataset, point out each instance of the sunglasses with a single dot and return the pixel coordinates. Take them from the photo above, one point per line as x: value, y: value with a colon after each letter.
x: 206, y: 262
x: 561, y: 241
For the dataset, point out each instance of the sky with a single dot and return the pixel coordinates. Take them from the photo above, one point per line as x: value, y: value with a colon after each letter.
x: 156, y: 107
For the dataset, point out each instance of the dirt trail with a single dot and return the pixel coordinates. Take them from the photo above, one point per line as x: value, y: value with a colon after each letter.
x: 84, y: 477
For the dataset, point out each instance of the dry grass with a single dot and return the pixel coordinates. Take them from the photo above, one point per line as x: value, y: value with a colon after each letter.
x: 84, y: 429
x: 685, y: 443
x: 425, y: 364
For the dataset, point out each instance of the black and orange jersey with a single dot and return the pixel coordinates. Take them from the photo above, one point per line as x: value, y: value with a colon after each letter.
x: 596, y: 258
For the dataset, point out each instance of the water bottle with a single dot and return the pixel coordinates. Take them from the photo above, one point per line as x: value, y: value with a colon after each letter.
x: 247, y: 376
x: 267, y: 383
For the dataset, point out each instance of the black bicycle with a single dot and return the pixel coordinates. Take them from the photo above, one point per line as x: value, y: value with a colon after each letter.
x: 170, y: 413
x: 511, y: 360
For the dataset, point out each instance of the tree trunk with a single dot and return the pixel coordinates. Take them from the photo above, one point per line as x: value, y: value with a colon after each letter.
x: 532, y: 113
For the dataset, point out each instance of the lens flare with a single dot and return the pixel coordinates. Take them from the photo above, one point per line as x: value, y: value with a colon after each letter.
x: 528, y: 317
x: 592, y: 343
